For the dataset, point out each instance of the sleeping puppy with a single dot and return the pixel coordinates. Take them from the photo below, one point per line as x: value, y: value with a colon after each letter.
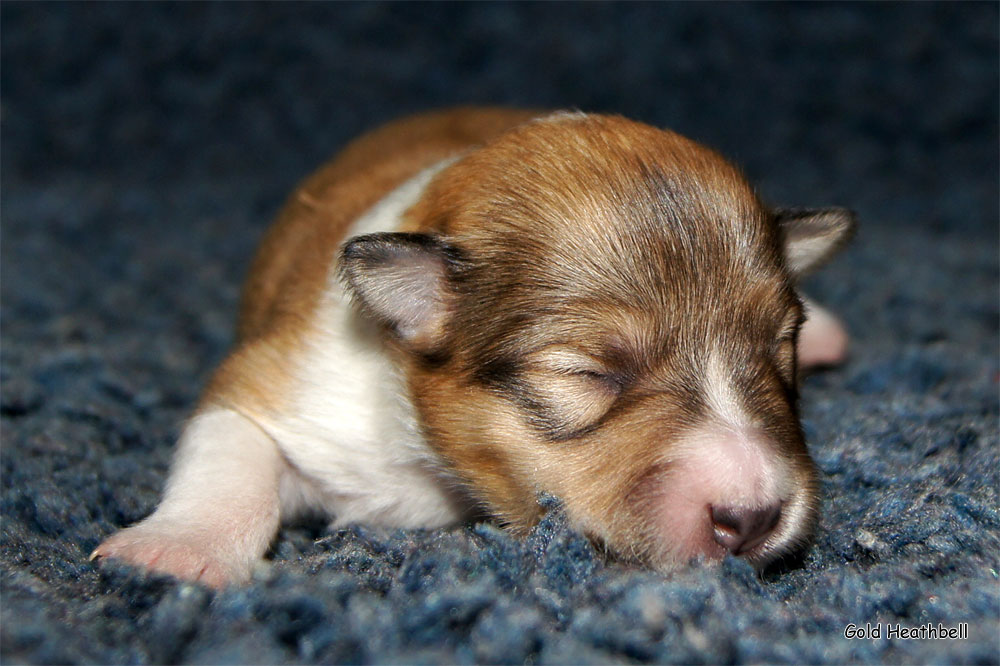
x: 469, y: 307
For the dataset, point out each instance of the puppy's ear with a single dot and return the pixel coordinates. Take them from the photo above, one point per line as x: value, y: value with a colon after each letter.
x: 813, y: 235
x: 401, y: 280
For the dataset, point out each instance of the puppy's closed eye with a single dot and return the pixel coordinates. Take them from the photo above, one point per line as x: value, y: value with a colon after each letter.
x: 785, y: 359
x: 567, y: 391
x: 783, y: 350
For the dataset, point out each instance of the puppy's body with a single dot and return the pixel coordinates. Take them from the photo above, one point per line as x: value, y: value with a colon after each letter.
x: 569, y: 303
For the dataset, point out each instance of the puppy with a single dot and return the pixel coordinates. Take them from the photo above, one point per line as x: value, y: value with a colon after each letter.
x: 468, y: 307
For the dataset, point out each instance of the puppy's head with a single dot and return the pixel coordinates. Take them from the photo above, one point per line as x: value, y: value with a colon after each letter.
x: 604, y: 311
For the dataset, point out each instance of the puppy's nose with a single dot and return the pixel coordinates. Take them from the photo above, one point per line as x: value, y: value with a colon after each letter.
x: 739, y: 529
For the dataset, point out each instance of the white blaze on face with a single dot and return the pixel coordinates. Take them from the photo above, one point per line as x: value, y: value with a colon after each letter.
x: 724, y: 402
x: 727, y: 462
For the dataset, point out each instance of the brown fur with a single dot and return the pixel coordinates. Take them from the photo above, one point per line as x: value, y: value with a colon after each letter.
x: 640, y: 251
x: 293, y: 262
x: 579, y: 304
x: 637, y: 266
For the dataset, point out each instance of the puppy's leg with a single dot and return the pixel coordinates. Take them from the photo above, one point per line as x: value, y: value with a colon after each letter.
x: 220, y: 509
x: 823, y: 339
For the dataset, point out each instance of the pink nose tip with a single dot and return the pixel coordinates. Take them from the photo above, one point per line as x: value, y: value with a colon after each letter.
x: 739, y: 529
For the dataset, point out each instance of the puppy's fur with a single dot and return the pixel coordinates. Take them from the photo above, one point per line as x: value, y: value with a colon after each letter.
x: 469, y: 307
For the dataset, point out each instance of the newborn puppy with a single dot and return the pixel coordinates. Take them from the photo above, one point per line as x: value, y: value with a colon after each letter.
x: 469, y: 307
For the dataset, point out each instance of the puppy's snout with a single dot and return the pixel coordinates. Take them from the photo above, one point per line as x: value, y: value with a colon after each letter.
x: 740, y: 529
x: 726, y: 490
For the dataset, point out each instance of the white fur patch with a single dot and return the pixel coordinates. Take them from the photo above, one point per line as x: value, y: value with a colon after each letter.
x: 727, y: 462
x: 352, y: 432
x: 221, y: 505
x: 387, y: 213
x: 721, y: 467
x: 221, y: 454
x: 722, y: 397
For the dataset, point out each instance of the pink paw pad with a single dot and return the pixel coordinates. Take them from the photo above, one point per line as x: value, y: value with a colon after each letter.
x: 169, y: 553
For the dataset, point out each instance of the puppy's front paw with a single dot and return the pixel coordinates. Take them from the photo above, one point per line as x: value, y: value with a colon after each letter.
x: 179, y: 551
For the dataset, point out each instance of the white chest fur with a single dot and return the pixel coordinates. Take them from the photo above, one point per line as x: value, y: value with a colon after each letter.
x: 351, y: 432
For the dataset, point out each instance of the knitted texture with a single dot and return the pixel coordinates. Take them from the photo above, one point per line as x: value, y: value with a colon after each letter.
x: 145, y: 148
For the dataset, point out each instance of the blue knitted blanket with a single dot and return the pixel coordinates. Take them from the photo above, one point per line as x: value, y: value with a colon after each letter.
x: 146, y: 146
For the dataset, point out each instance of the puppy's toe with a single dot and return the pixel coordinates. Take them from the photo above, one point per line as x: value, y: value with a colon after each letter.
x: 176, y: 553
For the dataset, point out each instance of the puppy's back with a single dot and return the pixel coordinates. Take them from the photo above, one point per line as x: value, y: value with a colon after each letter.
x: 292, y: 263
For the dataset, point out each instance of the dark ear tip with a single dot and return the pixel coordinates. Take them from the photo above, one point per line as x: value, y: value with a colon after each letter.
x: 386, y: 241
x: 365, y: 244
x: 843, y: 220
x: 352, y: 248
x: 812, y: 235
x: 846, y: 220
x: 852, y: 218
x: 849, y: 215
x: 358, y: 252
x: 791, y: 213
x: 358, y: 248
